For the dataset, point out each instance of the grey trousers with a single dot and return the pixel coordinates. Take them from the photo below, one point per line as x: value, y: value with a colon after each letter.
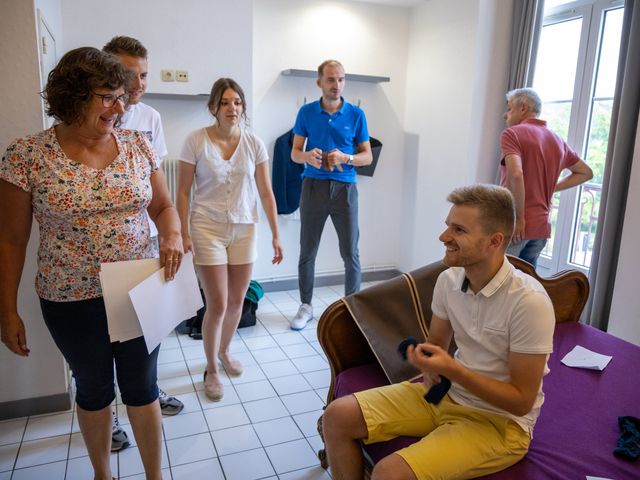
x: 320, y: 199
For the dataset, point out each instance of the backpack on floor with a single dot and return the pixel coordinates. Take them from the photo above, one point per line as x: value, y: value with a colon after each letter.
x: 193, y: 325
x: 250, y: 305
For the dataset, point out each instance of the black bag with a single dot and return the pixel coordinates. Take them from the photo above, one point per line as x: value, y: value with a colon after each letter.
x: 376, y: 147
x: 250, y: 305
x: 248, y: 317
x: 193, y: 325
x: 195, y: 329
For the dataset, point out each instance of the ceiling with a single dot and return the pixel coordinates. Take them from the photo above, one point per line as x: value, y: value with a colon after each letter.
x: 395, y: 3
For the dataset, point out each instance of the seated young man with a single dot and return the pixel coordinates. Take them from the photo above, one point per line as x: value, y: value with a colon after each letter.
x: 502, y: 321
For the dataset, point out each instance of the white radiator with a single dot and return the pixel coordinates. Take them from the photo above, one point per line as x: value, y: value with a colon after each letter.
x: 170, y: 167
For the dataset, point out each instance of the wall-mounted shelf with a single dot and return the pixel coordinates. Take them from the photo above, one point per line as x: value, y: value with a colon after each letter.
x: 354, y: 77
x: 176, y: 96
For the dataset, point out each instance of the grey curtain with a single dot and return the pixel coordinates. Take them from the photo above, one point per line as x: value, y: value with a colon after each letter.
x: 615, y: 185
x: 527, y: 22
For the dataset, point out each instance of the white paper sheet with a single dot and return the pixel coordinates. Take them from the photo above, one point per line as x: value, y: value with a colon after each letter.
x: 597, y: 478
x: 161, y: 305
x: 117, y: 279
x: 581, y: 357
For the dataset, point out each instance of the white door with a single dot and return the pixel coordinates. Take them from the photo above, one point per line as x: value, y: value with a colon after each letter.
x: 48, y: 57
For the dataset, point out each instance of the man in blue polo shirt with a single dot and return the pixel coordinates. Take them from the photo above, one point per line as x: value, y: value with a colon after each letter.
x: 337, y: 140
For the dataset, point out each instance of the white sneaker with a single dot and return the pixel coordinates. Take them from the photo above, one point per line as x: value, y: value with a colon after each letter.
x: 304, y: 315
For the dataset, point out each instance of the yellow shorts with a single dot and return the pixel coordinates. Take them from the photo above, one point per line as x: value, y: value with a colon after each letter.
x: 458, y: 442
x: 222, y: 243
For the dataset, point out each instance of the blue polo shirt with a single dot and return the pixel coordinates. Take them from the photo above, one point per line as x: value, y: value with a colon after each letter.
x: 343, y: 130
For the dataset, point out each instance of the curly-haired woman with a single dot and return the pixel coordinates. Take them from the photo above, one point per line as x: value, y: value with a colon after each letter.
x: 88, y: 184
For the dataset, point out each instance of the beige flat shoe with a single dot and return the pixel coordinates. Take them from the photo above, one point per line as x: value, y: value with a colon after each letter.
x: 233, y: 368
x: 214, y: 391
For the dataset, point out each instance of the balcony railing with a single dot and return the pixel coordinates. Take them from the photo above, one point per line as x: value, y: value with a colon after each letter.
x: 586, y: 222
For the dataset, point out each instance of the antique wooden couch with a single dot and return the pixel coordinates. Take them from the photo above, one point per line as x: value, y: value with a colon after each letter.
x: 577, y: 428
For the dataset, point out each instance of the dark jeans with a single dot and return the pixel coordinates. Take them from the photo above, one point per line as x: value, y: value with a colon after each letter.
x: 339, y: 200
x: 528, y: 250
x: 79, y: 329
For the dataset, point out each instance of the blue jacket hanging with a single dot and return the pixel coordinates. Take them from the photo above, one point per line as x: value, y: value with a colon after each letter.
x: 286, y: 175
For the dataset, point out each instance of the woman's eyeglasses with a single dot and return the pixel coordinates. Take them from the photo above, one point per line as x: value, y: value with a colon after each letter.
x: 109, y: 100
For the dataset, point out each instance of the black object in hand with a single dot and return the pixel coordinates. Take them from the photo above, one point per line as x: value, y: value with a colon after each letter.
x: 404, y: 346
x: 437, y: 392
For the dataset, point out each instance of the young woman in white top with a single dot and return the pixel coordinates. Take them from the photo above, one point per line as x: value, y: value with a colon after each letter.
x: 231, y: 170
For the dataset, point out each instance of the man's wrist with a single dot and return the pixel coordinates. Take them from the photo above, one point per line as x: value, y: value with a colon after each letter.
x: 349, y: 160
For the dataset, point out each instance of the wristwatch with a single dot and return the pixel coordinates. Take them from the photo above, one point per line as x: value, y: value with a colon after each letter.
x: 350, y: 161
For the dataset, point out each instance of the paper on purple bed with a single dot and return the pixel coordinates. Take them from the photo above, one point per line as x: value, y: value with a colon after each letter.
x: 581, y: 357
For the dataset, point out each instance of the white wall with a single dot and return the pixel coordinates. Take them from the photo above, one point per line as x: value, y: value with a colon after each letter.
x: 624, y: 319
x: 453, y: 112
x: 366, y: 39
x: 266, y: 37
x: 208, y: 39
x: 438, y: 118
x: 442, y: 58
x: 43, y: 373
x: 490, y: 70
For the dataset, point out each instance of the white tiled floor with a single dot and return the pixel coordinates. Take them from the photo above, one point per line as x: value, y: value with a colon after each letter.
x: 264, y: 427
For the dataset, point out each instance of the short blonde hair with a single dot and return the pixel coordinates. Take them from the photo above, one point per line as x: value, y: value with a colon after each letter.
x: 497, y: 210
x: 122, y: 45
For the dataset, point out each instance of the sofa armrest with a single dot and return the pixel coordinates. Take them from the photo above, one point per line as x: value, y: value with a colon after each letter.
x: 342, y: 342
x: 568, y: 290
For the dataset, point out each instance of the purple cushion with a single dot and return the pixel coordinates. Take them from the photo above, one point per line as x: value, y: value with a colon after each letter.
x: 577, y: 429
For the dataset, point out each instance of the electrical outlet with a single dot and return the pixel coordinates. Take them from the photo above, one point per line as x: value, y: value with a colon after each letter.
x: 182, y: 76
x: 168, y: 75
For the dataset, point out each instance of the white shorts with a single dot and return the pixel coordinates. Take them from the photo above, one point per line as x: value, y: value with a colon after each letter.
x: 222, y: 243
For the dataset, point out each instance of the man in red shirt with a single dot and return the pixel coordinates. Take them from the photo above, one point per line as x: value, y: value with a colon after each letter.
x: 532, y: 159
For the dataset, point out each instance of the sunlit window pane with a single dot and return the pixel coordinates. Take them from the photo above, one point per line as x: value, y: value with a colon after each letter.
x: 557, y: 116
x: 557, y: 58
x: 586, y: 220
x: 608, y: 65
x: 598, y: 137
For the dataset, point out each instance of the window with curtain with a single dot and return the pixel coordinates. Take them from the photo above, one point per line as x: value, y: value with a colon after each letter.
x: 575, y: 73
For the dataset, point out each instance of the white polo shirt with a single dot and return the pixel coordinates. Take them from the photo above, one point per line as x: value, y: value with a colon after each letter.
x: 147, y: 120
x: 512, y: 313
x: 226, y: 190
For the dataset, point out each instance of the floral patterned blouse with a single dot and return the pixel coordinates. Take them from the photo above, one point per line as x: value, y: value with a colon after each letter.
x: 87, y: 216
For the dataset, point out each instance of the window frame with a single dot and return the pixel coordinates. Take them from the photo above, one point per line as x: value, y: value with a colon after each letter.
x: 593, y: 14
